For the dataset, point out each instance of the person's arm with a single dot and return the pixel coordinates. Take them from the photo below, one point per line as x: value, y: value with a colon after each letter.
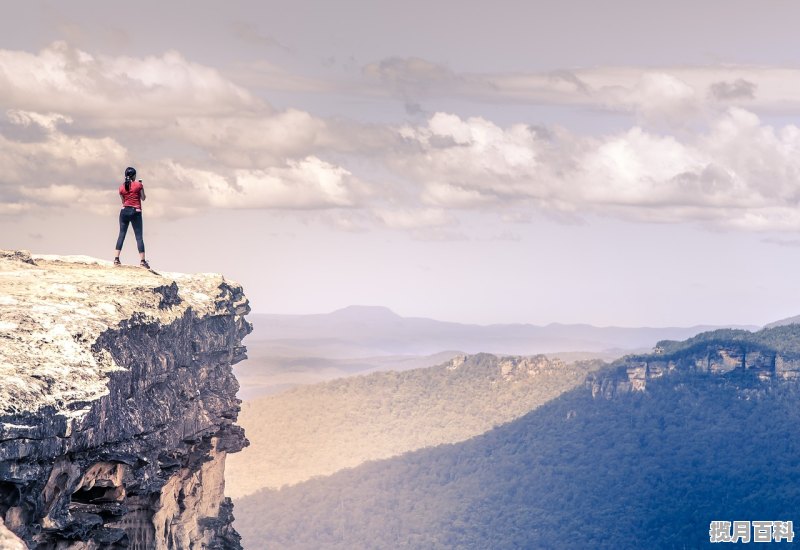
x: 121, y: 198
x: 141, y: 193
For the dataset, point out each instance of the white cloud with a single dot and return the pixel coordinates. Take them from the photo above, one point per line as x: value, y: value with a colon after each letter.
x: 88, y: 116
x: 61, y: 195
x: 659, y: 97
x: 635, y: 168
x: 29, y: 166
x: 201, y: 142
x: 46, y: 121
x: 740, y: 173
x: 252, y: 141
x: 66, y: 80
x: 309, y: 183
x: 470, y: 160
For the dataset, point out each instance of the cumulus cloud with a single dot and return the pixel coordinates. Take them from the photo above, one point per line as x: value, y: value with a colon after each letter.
x: 740, y: 173
x: 64, y: 79
x: 78, y: 116
x: 304, y: 184
x: 471, y: 159
x: 56, y: 156
x: 76, y: 119
x: 164, y: 99
x: 658, y: 97
x: 252, y: 141
x: 308, y: 183
x: 47, y: 170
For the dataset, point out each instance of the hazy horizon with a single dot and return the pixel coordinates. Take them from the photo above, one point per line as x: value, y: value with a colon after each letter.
x: 412, y: 316
x: 287, y: 350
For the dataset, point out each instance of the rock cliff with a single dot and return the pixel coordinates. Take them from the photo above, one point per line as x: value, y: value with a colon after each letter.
x: 768, y: 356
x: 117, y: 404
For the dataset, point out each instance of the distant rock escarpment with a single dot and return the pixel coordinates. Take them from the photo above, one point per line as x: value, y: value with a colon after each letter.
x: 752, y: 359
x: 117, y: 404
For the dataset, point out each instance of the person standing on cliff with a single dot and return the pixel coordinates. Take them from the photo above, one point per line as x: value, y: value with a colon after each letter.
x: 132, y: 194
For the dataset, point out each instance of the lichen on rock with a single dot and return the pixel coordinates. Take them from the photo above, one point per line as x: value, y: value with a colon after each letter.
x: 118, y: 404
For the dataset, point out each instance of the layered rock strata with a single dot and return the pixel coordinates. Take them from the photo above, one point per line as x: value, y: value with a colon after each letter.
x: 117, y: 404
x: 741, y: 357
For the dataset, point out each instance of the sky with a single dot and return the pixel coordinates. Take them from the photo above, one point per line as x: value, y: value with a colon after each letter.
x: 619, y: 163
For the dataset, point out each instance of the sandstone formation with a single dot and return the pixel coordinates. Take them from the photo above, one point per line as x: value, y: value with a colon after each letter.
x: 117, y: 404
x: 746, y: 357
x: 8, y: 540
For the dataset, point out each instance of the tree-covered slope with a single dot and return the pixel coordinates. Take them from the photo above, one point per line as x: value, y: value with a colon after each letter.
x: 645, y: 469
x: 784, y: 339
x: 320, y: 429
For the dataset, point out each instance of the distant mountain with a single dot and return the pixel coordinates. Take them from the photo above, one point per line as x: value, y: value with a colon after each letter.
x: 788, y: 321
x: 365, y: 314
x: 320, y: 429
x: 646, y: 455
x: 288, y: 350
x: 370, y: 331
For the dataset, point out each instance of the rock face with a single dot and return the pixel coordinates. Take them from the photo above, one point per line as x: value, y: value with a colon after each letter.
x: 117, y: 404
x: 770, y: 355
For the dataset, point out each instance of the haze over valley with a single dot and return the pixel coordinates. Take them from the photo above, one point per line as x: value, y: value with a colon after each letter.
x: 317, y: 430
x: 287, y: 350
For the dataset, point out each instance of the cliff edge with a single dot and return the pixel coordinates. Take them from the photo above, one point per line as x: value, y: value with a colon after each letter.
x: 117, y: 404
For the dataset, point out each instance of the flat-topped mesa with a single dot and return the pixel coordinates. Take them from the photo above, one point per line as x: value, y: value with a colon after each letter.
x: 769, y: 355
x: 117, y: 404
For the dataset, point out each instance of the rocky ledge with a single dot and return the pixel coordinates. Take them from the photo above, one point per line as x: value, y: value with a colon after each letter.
x: 117, y: 404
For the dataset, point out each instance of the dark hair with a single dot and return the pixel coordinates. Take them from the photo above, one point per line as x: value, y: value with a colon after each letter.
x: 130, y: 173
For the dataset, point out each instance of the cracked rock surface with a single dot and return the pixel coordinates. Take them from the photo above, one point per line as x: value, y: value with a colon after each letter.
x: 117, y: 404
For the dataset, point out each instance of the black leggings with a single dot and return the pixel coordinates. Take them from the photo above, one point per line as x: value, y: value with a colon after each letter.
x: 129, y: 215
